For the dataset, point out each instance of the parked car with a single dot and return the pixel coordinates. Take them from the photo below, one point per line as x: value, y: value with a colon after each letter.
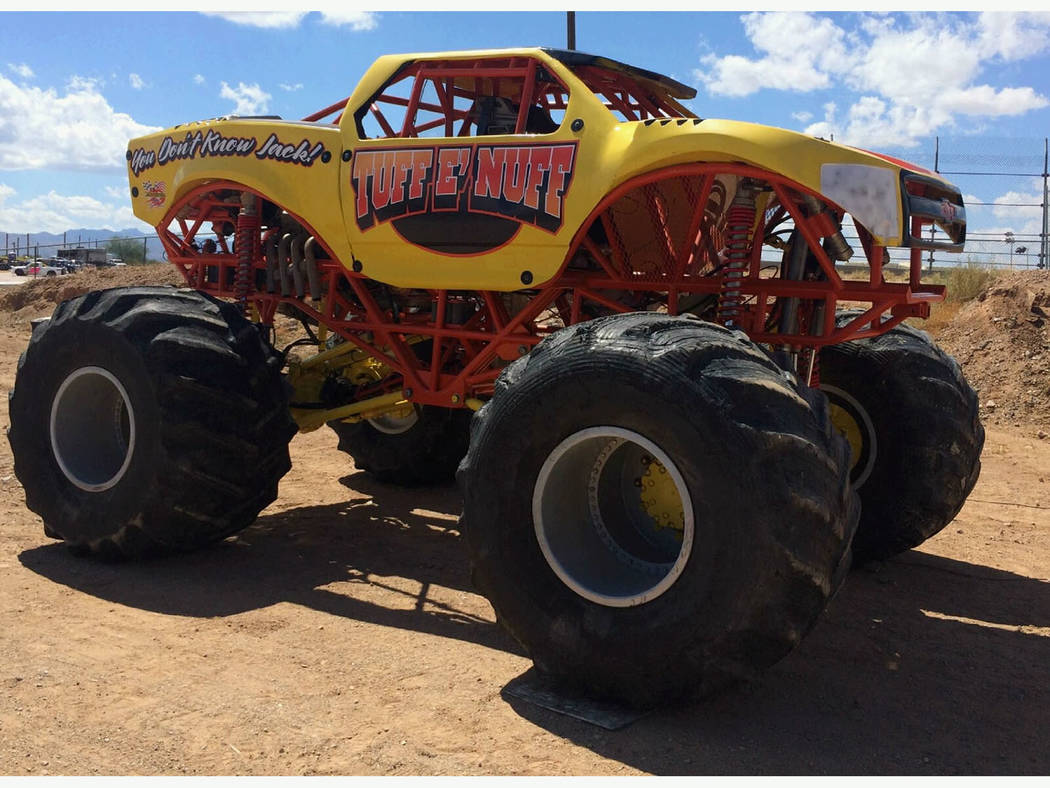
x: 38, y: 269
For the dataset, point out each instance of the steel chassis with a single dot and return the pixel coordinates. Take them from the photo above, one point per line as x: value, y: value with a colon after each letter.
x: 465, y: 357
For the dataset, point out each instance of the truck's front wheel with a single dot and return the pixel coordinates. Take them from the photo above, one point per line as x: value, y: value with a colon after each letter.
x: 148, y: 420
x: 652, y: 509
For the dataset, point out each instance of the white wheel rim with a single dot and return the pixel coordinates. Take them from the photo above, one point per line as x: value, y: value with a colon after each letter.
x: 92, y: 429
x: 608, y: 554
x: 395, y: 425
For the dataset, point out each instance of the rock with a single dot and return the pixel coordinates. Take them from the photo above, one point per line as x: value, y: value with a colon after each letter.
x: 1041, y: 434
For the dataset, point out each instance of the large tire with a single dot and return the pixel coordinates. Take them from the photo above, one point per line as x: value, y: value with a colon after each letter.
x: 758, y: 493
x: 424, y: 448
x: 147, y: 420
x: 912, y: 421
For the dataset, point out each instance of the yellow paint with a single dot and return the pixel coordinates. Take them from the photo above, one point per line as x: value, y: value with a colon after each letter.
x: 843, y: 421
x: 309, y: 419
x: 660, y: 498
x: 609, y: 153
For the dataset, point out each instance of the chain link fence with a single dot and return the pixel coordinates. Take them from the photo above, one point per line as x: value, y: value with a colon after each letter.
x: 1004, y: 186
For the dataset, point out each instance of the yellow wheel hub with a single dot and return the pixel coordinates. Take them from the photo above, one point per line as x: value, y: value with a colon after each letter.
x: 843, y: 421
x: 660, y: 497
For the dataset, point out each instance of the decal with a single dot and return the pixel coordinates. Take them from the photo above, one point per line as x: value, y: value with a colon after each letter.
x: 142, y: 160
x: 155, y: 193
x: 947, y: 210
x: 391, y: 183
x: 304, y: 153
x: 210, y: 144
x: 871, y: 195
x: 450, y: 190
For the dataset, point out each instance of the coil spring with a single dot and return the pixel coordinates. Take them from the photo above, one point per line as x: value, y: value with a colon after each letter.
x: 739, y: 220
x: 247, y: 234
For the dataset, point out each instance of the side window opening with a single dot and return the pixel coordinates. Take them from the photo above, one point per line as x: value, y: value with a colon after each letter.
x: 625, y: 97
x: 465, y: 99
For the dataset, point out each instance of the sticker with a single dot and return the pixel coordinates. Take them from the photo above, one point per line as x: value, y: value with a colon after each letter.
x: 211, y: 144
x: 155, y: 193
x: 871, y: 195
x: 526, y: 184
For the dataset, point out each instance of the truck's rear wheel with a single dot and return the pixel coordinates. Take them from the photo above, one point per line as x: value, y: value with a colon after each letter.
x: 652, y: 509
x: 912, y: 423
x: 147, y: 420
x: 422, y: 445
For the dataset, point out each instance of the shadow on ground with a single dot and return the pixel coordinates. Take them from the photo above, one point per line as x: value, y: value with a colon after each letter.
x: 290, y: 556
x: 921, y: 665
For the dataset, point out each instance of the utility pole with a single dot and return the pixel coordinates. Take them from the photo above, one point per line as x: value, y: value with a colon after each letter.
x: 143, y: 248
x: 1009, y: 237
x: 570, y: 29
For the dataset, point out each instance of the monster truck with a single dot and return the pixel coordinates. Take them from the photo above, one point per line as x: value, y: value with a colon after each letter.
x: 678, y: 425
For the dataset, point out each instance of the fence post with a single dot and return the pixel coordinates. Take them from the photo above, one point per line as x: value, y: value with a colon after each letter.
x: 1044, y: 241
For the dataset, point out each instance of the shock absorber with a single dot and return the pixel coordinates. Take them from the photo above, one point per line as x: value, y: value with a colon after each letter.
x: 247, y: 237
x: 739, y: 220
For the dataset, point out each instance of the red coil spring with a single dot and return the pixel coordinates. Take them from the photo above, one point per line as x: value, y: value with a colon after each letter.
x: 739, y: 220
x: 247, y: 235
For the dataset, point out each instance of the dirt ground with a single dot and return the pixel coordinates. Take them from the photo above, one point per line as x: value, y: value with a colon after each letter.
x: 340, y: 635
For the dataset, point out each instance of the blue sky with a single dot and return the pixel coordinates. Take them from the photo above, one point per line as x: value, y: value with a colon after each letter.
x: 75, y: 86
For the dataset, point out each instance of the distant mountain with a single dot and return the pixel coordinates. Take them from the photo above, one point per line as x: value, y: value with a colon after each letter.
x: 48, y: 244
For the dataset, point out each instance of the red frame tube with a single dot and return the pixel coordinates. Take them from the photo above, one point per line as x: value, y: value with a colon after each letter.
x: 461, y: 364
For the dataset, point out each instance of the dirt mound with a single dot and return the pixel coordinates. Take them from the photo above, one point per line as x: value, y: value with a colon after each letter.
x: 38, y: 298
x: 1002, y: 341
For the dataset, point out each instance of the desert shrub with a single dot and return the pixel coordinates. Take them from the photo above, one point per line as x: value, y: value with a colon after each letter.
x: 965, y: 282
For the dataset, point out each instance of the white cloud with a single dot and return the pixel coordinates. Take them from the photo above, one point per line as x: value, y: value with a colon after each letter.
x: 1013, y: 36
x: 913, y: 74
x: 198, y: 79
x: 281, y: 20
x: 355, y: 20
x: 79, y: 84
x: 291, y: 88
x: 77, y: 131
x: 248, y: 99
x: 802, y: 117
x: 1022, y: 209
x: 799, y: 51
x: 56, y: 213
x: 986, y: 100
x: 136, y: 81
x: 271, y: 20
x: 24, y: 71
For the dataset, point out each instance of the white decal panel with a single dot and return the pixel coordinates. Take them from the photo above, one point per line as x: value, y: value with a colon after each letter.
x: 871, y: 195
